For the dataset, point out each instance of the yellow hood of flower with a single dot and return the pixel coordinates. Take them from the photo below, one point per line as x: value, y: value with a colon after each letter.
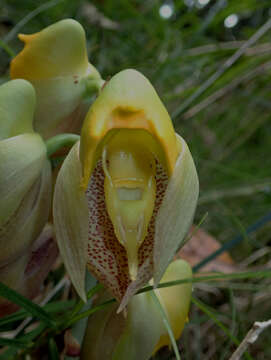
x: 55, y: 61
x: 55, y: 51
x: 128, y: 101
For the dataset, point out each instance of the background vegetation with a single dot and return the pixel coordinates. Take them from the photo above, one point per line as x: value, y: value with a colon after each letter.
x: 215, y: 82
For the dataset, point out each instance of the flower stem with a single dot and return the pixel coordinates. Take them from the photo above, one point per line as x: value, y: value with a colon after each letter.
x: 57, y: 142
x: 81, y: 303
x: 92, y: 85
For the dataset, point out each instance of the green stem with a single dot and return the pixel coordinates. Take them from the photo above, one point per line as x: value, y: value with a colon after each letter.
x: 91, y: 311
x: 81, y: 303
x: 92, y: 85
x: 57, y: 142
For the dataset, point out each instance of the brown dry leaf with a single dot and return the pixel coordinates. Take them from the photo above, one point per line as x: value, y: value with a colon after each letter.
x: 201, y: 245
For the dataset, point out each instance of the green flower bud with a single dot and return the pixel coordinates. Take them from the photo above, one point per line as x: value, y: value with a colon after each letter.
x: 55, y: 61
x: 17, y: 104
x: 25, y: 178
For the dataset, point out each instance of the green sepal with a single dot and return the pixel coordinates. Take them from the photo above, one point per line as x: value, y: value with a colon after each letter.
x: 177, y: 211
x: 70, y: 212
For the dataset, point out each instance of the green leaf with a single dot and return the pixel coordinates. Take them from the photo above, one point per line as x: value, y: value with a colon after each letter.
x: 91, y: 311
x: 34, y: 309
x: 54, y: 355
x: 9, y: 354
x: 14, y: 343
x: 53, y: 307
x: 33, y: 334
x: 19, y: 315
x: 81, y: 303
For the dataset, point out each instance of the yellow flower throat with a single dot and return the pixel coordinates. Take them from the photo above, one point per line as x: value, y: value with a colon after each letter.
x: 130, y: 191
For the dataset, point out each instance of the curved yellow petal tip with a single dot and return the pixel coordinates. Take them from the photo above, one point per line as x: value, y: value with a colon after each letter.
x: 27, y: 38
x: 57, y: 50
x: 128, y: 101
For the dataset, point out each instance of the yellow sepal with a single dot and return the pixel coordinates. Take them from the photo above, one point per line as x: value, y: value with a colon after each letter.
x: 175, y: 300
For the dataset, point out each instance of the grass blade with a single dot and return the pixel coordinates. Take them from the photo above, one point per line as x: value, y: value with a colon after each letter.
x: 210, y: 314
x: 211, y: 278
x: 54, y: 355
x: 52, y: 307
x: 90, y: 311
x: 32, y: 308
x: 14, y: 343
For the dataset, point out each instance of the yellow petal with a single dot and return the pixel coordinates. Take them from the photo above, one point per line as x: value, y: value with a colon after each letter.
x: 58, y: 50
x: 128, y: 101
x: 71, y: 220
x: 175, y: 299
x: 176, y: 212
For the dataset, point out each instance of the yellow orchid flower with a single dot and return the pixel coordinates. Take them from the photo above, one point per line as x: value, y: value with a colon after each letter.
x: 55, y: 61
x: 129, y: 212
x: 25, y: 181
x: 140, y: 333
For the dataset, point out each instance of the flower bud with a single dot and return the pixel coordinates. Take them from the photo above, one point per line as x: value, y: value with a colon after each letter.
x: 25, y: 179
x: 55, y: 61
x: 17, y: 104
